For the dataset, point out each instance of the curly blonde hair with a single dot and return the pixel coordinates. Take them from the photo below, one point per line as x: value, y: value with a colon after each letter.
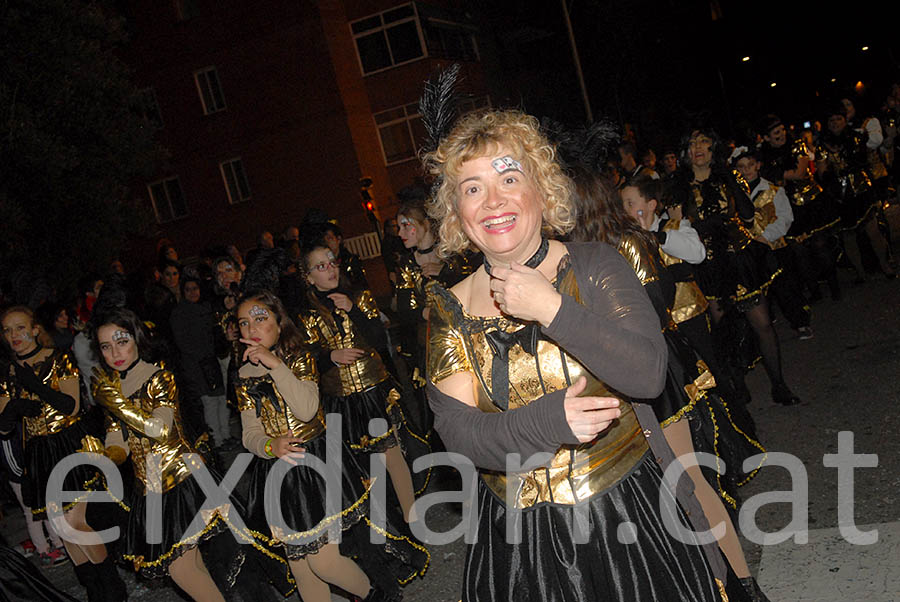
x: 484, y: 133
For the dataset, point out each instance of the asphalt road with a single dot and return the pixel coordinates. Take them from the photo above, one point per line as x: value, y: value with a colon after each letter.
x: 847, y: 377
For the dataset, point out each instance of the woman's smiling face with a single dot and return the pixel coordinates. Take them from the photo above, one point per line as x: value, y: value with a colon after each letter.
x: 500, y: 207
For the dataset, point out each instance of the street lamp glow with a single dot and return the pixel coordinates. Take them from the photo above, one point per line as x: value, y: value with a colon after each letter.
x: 833, y: 79
x: 773, y: 84
x: 864, y: 48
x: 745, y: 59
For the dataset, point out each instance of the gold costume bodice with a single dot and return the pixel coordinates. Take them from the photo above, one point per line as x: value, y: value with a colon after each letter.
x: 804, y: 190
x: 847, y: 161
x: 458, y: 342
x: 168, y: 468
x: 260, y: 394
x: 689, y: 301
x: 765, y: 214
x: 54, y: 368
x: 335, y: 330
x: 713, y: 199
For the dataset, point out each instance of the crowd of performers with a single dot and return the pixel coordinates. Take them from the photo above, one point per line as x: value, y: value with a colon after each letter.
x: 544, y: 302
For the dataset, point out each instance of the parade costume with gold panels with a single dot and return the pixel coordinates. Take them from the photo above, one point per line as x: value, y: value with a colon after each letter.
x: 691, y: 391
x: 847, y: 178
x: 814, y: 209
x: 363, y: 389
x: 273, y: 403
x: 143, y: 411
x: 49, y: 434
x: 605, y: 329
x: 738, y: 268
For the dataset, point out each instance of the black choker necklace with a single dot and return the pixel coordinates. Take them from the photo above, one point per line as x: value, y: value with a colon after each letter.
x: 123, y: 374
x: 426, y: 250
x: 533, y: 261
x: 31, y: 353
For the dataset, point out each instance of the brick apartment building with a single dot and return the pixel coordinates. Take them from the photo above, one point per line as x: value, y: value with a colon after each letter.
x: 273, y: 107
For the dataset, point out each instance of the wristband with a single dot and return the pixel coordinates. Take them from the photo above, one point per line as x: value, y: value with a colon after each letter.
x: 267, y: 448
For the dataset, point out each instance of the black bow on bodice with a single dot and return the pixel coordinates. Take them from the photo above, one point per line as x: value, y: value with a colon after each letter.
x: 260, y: 390
x: 500, y: 343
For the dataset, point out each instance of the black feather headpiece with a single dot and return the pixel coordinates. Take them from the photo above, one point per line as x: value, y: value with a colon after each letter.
x: 438, y: 106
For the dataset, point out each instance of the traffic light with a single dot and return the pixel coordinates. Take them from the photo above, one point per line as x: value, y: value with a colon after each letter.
x: 365, y: 191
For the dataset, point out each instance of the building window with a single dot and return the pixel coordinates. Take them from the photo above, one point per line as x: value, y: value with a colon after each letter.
x: 401, y: 132
x: 148, y: 106
x: 168, y: 200
x: 388, y: 39
x: 450, y: 41
x: 210, y: 90
x: 472, y: 103
x: 236, y: 185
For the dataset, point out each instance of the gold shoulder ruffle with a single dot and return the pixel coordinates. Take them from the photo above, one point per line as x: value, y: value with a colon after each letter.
x: 161, y: 389
x: 366, y: 304
x: 303, y: 365
x: 638, y: 255
x: 445, y: 352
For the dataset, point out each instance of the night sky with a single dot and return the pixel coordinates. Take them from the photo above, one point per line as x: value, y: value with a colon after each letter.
x: 663, y: 64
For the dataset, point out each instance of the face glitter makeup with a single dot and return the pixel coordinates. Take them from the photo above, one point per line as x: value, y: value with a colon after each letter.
x: 257, y: 311
x: 507, y: 163
x: 121, y: 335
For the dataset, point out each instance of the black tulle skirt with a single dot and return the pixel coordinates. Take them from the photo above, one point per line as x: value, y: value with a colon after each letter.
x: 548, y: 565
x: 305, y: 511
x: 41, y: 456
x: 357, y: 409
x: 179, y: 507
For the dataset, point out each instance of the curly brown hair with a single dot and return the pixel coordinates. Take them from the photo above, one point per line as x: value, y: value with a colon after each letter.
x: 483, y: 133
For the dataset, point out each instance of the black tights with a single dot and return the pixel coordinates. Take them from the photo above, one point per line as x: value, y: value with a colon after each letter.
x: 766, y: 336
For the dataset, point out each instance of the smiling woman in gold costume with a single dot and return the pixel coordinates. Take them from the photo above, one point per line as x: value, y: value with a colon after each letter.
x: 512, y: 348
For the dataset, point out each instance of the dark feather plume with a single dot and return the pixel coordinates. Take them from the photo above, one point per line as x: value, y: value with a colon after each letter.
x: 438, y: 106
x: 590, y: 147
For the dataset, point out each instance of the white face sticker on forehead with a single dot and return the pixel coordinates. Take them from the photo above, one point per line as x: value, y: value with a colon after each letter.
x: 121, y: 335
x: 257, y: 311
x: 507, y: 163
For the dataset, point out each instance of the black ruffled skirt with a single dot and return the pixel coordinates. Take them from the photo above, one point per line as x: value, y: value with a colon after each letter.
x: 818, y: 215
x: 179, y: 507
x: 691, y: 393
x: 41, y: 456
x: 739, y: 277
x: 357, y: 409
x: 855, y: 209
x: 548, y: 566
x: 305, y: 511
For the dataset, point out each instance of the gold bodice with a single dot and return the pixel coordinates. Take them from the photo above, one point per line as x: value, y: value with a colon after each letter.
x: 458, y: 342
x: 335, y: 330
x: 166, y: 467
x: 689, y: 299
x: 260, y: 394
x: 847, y: 162
x: 58, y: 366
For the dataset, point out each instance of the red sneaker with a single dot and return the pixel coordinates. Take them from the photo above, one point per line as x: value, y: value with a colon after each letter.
x: 54, y: 557
x: 25, y: 548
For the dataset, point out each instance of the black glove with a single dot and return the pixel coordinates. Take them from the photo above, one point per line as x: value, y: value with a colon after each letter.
x: 661, y: 237
x: 29, y: 380
x: 14, y: 410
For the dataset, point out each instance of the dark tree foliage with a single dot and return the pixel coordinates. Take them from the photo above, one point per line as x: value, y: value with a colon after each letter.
x: 73, y: 139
